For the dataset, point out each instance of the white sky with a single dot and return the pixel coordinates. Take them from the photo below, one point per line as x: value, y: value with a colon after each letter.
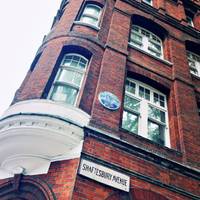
x: 23, y: 23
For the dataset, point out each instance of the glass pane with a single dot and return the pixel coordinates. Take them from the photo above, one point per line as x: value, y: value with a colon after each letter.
x: 89, y: 20
x: 192, y: 63
x: 193, y: 71
x: 162, y: 101
x: 72, y: 77
x: 132, y: 104
x: 130, y: 122
x: 130, y: 87
x: 155, y: 46
x: 83, y: 61
x: 155, y: 98
x: 141, y: 92
x: 64, y: 94
x: 66, y: 62
x: 156, y: 114
x: 74, y: 64
x: 136, y: 37
x: 76, y: 58
x: 159, y: 99
x: 146, y: 33
x: 92, y: 10
x: 135, y: 28
x: 82, y: 65
x: 144, y: 93
x: 156, y: 132
x: 147, y: 94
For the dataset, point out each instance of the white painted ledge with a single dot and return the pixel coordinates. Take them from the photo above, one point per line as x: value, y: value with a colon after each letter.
x: 35, y: 133
x: 48, y: 107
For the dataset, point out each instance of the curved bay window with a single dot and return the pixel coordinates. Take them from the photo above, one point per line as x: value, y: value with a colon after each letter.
x: 147, y: 41
x: 145, y: 112
x: 91, y: 14
x: 69, y: 79
x: 194, y: 63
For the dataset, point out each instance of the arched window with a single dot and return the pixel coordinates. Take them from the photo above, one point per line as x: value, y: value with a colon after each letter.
x: 194, y: 63
x: 91, y: 14
x: 147, y: 41
x: 69, y: 79
x: 145, y: 112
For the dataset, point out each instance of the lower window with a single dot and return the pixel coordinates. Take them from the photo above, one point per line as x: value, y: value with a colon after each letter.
x: 145, y: 112
x: 69, y: 79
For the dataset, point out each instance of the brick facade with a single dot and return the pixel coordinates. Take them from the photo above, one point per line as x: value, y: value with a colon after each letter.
x: 156, y: 172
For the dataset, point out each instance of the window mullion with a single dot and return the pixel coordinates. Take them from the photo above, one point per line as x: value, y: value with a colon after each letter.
x: 143, y: 119
x: 145, y: 41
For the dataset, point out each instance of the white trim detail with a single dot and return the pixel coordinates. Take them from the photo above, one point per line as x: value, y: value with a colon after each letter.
x: 37, y: 132
x: 49, y: 107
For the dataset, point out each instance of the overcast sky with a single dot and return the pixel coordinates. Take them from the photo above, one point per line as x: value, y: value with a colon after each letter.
x: 23, y: 23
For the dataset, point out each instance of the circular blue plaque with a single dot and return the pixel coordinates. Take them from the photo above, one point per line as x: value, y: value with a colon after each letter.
x: 109, y: 100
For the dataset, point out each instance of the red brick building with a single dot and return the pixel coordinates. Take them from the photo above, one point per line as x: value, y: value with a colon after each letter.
x: 109, y: 109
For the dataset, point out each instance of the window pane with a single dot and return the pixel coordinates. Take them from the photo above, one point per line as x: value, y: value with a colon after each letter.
x: 66, y: 62
x: 159, y: 99
x: 154, y: 46
x: 194, y: 71
x: 146, y: 33
x: 144, y: 93
x: 92, y: 10
x: 156, y: 132
x: 162, y: 101
x: 141, y: 91
x: 147, y: 94
x: 74, y: 61
x: 65, y: 94
x: 156, y: 114
x: 130, y: 87
x: 194, y: 63
x: 132, y: 103
x: 69, y: 76
x: 136, y: 39
x: 89, y: 20
x: 130, y: 122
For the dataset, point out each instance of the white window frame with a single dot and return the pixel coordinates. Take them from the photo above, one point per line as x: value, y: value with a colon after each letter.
x: 62, y: 83
x: 145, y: 42
x: 194, y: 63
x: 147, y: 2
x: 91, y: 16
x: 143, y: 116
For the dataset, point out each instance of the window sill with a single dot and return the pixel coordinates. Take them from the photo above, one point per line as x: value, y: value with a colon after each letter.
x: 157, y: 58
x: 86, y: 24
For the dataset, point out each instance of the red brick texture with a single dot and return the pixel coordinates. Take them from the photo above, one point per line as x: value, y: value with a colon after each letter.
x: 112, y: 60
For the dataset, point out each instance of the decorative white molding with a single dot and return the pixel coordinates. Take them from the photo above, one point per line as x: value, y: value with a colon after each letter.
x: 48, y: 107
x: 33, y: 134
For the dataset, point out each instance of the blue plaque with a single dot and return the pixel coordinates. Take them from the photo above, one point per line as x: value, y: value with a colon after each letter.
x: 109, y: 100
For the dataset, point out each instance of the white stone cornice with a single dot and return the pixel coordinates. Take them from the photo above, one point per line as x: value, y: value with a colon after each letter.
x: 33, y: 134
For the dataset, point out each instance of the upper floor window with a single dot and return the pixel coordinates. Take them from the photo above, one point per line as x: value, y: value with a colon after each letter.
x: 91, y: 14
x: 194, y: 63
x: 69, y: 79
x: 146, y: 41
x: 145, y: 112
x: 150, y: 2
